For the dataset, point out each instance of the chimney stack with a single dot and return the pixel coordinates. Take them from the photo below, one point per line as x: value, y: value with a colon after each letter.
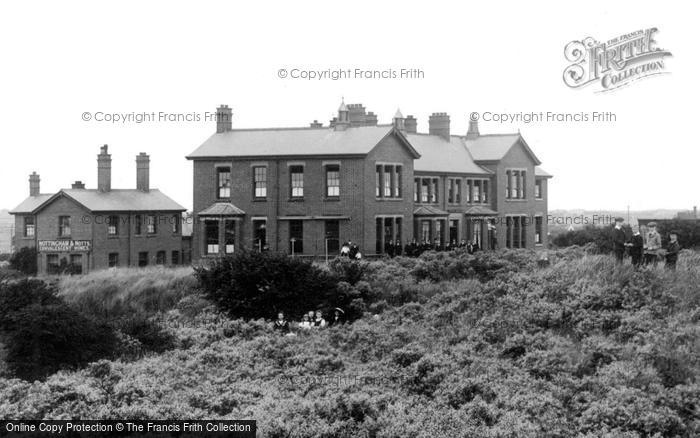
x: 104, y: 170
x: 77, y: 185
x: 439, y: 124
x: 142, y: 172
x: 473, y: 131
x: 316, y: 124
x: 224, y: 119
x: 371, y: 119
x: 410, y: 124
x: 34, y: 184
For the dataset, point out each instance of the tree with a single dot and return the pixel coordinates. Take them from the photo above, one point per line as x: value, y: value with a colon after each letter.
x: 24, y: 260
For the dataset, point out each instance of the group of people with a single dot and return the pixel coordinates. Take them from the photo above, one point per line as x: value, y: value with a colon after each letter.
x: 644, y: 250
x: 414, y: 249
x: 350, y: 250
x: 309, y: 320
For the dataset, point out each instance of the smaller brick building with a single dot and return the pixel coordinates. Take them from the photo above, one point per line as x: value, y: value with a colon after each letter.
x: 78, y: 230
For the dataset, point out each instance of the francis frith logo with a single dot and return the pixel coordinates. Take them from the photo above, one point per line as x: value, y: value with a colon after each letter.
x: 614, y: 63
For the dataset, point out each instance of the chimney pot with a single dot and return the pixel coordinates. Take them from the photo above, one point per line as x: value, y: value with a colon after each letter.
x: 34, y: 186
x: 78, y: 185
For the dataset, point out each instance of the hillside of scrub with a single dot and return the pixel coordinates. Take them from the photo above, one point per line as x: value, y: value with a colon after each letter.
x: 448, y: 344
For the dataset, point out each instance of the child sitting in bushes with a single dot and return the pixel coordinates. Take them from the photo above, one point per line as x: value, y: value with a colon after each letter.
x: 319, y: 322
x: 281, y: 325
x: 305, y: 323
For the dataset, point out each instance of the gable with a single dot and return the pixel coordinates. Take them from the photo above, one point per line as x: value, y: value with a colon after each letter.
x: 393, y: 145
x: 519, y: 154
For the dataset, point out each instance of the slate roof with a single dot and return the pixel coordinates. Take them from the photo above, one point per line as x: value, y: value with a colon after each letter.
x: 540, y: 172
x: 31, y: 203
x: 440, y: 155
x: 494, y: 147
x: 113, y: 200
x: 429, y: 210
x: 274, y: 142
x: 479, y: 210
x: 222, y: 209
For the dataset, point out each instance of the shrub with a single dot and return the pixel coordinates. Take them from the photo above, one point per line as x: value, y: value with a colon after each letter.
x: 24, y: 260
x: 46, y: 338
x: 16, y: 295
x: 258, y: 285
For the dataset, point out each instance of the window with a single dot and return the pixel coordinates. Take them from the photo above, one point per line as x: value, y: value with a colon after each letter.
x: 397, y: 181
x: 388, y: 171
x: 454, y: 191
x: 229, y: 236
x: 211, y: 236
x: 76, y: 263
x: 260, y: 234
x: 378, y: 181
x: 434, y: 190
x: 439, y: 231
x: 388, y: 233
x: 477, y: 226
x: 333, y: 236
x: 113, y: 259
x: 52, y: 266
x: 113, y: 225
x: 484, y: 191
x: 151, y: 227
x: 223, y: 178
x: 175, y: 258
x: 175, y: 223
x: 425, y: 231
x: 160, y: 258
x: 476, y: 194
x: 332, y: 180
x: 143, y: 258
x: 515, y: 184
x: 388, y: 181
x: 29, y: 226
x: 416, y: 189
x: 64, y: 226
x: 297, y: 181
x: 516, y: 231
x: 260, y: 182
x: 454, y: 231
x: 468, y: 188
x: 538, y: 230
x: 296, y: 237
x: 425, y: 191
x: 138, y: 224
x: 538, y: 189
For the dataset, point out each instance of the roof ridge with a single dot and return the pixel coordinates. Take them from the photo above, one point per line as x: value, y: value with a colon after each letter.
x: 308, y: 128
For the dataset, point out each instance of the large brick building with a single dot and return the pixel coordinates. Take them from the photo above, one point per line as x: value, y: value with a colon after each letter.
x: 78, y: 229
x: 305, y: 190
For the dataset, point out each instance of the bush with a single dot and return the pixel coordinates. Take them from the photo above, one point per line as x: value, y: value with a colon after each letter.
x: 24, y: 260
x: 18, y: 294
x: 600, y: 237
x: 258, y: 285
x: 46, y: 338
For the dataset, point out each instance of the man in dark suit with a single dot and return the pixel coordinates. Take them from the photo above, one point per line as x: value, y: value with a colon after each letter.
x: 636, y: 247
x: 619, y: 239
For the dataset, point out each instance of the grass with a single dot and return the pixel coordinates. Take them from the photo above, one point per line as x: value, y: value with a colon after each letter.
x: 116, y: 292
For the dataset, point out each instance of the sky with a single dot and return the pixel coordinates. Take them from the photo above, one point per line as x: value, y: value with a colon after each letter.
x: 61, y: 60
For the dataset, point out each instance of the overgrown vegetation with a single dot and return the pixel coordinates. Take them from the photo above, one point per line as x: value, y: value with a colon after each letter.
x: 484, y: 345
x: 24, y: 261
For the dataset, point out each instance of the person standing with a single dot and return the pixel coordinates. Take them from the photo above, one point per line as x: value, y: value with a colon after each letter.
x: 636, y: 247
x: 672, y: 251
x: 619, y: 240
x: 398, y: 247
x: 652, y: 245
x: 354, y: 249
